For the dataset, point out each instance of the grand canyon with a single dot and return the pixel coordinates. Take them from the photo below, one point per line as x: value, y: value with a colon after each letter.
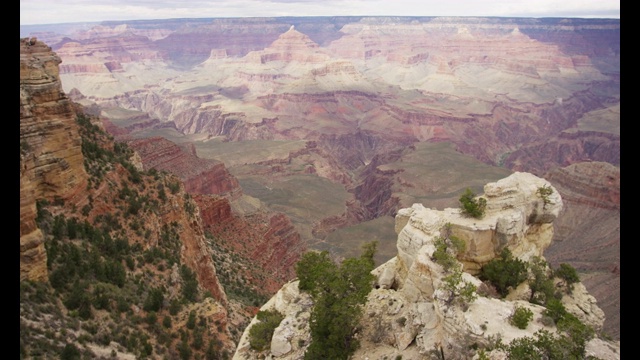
x: 299, y: 133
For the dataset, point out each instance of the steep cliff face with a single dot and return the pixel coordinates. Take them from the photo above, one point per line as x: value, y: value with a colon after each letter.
x: 51, y: 162
x: 412, y: 311
x: 265, y: 240
x: 93, y: 222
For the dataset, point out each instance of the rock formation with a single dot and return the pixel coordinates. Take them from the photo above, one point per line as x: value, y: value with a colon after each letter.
x: 51, y: 162
x: 267, y: 240
x: 410, y: 313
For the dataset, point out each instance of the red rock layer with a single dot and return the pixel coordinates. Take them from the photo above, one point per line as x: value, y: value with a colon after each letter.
x: 291, y: 46
x: 200, y: 176
x: 267, y: 240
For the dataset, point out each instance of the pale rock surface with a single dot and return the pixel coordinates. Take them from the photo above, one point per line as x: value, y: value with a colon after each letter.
x: 584, y: 306
x: 293, y: 330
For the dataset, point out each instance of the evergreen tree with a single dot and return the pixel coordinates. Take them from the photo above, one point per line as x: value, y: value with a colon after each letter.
x: 339, y: 293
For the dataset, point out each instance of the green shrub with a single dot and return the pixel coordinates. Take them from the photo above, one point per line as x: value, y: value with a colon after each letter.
x: 458, y: 290
x: 555, y: 310
x: 401, y: 321
x: 151, y: 318
x: 505, y: 272
x: 191, y: 321
x: 540, y: 282
x: 261, y: 333
x: 166, y: 321
x: 521, y: 317
x: 471, y: 206
x: 544, y: 192
x: 567, y: 273
x: 70, y: 352
x: 448, y: 247
x: 154, y: 300
x: 442, y: 256
x: 190, y: 286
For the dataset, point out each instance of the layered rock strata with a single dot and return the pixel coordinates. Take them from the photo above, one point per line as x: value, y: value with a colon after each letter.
x: 263, y: 238
x: 200, y: 176
x: 51, y: 161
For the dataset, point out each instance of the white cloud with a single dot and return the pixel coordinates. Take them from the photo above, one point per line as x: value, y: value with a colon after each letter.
x: 62, y: 11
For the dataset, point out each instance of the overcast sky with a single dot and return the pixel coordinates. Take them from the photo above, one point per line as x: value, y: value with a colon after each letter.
x: 64, y: 11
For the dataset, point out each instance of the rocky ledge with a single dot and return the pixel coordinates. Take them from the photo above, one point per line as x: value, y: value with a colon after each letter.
x: 409, y: 313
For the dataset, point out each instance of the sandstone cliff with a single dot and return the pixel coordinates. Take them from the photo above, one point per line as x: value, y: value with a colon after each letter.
x: 51, y: 162
x: 412, y: 285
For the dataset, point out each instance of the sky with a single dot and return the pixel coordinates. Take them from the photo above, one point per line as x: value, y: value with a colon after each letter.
x: 68, y: 11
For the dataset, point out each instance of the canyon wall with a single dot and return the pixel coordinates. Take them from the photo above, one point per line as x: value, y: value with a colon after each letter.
x: 363, y: 95
x: 72, y: 172
x: 51, y: 162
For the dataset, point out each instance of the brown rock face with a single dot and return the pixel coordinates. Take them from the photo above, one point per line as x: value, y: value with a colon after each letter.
x: 214, y: 209
x: 51, y: 167
x: 587, y: 232
x: 200, y: 176
x: 51, y: 162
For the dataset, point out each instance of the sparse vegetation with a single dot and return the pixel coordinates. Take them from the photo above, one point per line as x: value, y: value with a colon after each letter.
x: 544, y: 192
x: 260, y: 334
x: 448, y: 247
x: 104, y: 265
x: 573, y: 335
x: 470, y: 206
x: 521, y: 317
x: 568, y: 274
x: 459, y: 291
x: 540, y: 281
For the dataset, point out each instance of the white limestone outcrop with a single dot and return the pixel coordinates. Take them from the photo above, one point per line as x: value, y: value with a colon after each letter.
x: 410, y: 313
